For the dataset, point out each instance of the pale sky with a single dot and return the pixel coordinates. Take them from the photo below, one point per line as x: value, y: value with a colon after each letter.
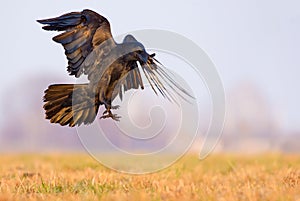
x: 251, y: 40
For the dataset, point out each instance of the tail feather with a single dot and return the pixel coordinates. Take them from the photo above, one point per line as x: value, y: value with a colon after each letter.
x: 70, y: 104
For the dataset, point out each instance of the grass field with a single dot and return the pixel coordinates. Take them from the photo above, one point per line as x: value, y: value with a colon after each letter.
x: 219, y: 177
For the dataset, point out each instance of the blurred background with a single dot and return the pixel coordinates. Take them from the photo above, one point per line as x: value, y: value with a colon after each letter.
x: 254, y: 44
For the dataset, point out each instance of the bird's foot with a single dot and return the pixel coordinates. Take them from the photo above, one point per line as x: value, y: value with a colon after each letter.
x: 112, y: 107
x: 110, y: 115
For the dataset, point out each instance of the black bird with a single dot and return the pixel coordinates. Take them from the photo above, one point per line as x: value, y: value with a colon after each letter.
x: 111, y: 69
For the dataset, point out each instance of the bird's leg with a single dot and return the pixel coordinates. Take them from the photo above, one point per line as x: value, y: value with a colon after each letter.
x: 108, y: 114
x: 107, y: 102
x: 111, y: 115
x: 110, y: 108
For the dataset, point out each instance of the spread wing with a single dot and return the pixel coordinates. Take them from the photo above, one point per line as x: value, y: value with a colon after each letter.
x: 82, y: 32
x: 159, y: 78
x: 162, y: 81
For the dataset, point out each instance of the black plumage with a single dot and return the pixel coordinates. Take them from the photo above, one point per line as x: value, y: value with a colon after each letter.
x: 111, y: 68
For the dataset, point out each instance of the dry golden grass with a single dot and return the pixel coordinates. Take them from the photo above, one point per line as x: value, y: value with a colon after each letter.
x: 219, y: 177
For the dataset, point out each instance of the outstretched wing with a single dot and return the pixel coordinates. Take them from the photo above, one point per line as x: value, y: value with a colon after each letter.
x: 83, y: 31
x: 158, y: 77
x: 162, y: 81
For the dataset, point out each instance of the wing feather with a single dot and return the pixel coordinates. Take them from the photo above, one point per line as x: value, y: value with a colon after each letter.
x: 82, y: 32
x: 160, y: 79
x: 133, y: 80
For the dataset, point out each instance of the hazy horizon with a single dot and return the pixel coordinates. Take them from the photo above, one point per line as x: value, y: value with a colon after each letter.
x: 252, y: 43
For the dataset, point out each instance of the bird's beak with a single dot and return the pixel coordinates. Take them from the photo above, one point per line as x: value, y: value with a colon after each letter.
x: 152, y: 55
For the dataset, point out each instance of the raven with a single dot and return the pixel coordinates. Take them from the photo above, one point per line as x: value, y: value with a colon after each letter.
x: 111, y: 69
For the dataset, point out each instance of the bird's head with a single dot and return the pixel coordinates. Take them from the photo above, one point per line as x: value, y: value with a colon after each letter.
x: 137, y: 52
x: 143, y: 56
x: 140, y: 54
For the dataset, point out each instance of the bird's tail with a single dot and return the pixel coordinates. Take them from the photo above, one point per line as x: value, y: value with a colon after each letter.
x: 70, y: 104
